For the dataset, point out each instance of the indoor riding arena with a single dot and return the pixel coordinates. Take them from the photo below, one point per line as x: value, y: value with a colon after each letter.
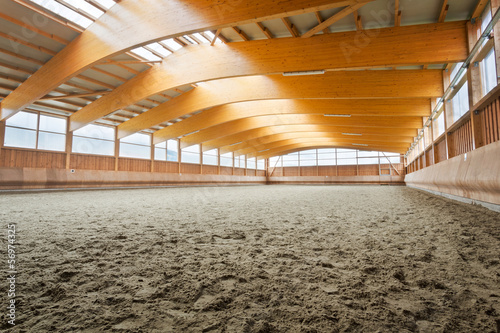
x: 250, y: 166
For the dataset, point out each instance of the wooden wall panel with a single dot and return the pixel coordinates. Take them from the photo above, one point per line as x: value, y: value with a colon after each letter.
x: 327, y: 170
x: 261, y: 173
x: 190, y: 168
x: 461, y: 139
x: 440, y: 151
x: 134, y: 164
x: 429, y: 158
x: 347, y: 170
x: 210, y: 170
x: 291, y: 171
x: 239, y: 171
x: 250, y: 172
x: 166, y: 167
x: 309, y: 171
x: 92, y: 162
x: 276, y: 172
x: 226, y: 170
x: 490, y: 121
x: 368, y: 170
x: 19, y: 158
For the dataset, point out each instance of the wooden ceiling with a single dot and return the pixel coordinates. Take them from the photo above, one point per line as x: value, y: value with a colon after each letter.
x: 382, y: 62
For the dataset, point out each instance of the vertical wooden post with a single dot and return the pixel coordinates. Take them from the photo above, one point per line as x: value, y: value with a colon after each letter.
x: 200, y: 160
x: 317, y: 163
x: 448, y: 114
x: 69, y: 144
x: 475, y: 85
x: 245, y: 165
x: 179, y: 155
x: 424, y: 141
x: 495, y: 4
x: 218, y: 161
x: 2, y: 134
x: 336, y: 163
x: 298, y: 161
x: 153, y: 154
x: 117, y: 149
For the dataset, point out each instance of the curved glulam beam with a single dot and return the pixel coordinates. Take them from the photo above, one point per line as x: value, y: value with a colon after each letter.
x: 241, y: 125
x: 333, y: 141
x: 315, y: 145
x: 428, y: 44
x: 252, y: 145
x: 261, y: 132
x: 334, y: 85
x: 339, y: 138
x: 134, y: 23
x: 230, y: 112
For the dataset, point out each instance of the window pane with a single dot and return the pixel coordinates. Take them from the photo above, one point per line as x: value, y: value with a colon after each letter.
x: 23, y: 119
x: 191, y: 154
x: 346, y: 153
x: 16, y: 137
x: 93, y: 146
x: 134, y: 151
x: 368, y: 160
x: 307, y: 162
x: 51, y: 141
x: 138, y: 138
x: 226, y: 159
x: 489, y: 72
x: 52, y: 124
x: 251, y: 164
x: 172, y: 150
x: 261, y: 164
x: 172, y: 156
x: 160, y: 154
x: 362, y: 153
x: 96, y: 132
x: 210, y: 159
x: 327, y: 162
x: 346, y: 161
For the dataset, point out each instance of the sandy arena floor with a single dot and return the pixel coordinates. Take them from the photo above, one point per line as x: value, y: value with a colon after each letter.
x: 252, y: 259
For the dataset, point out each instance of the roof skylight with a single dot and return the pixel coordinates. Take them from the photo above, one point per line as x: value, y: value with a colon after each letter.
x: 189, y: 39
x: 143, y: 53
x: 79, y: 12
x: 172, y: 44
x: 200, y: 38
x: 160, y: 49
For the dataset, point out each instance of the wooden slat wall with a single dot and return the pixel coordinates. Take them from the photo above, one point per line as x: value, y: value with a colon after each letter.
x: 368, y: 170
x: 210, y: 170
x: 239, y: 171
x: 190, y: 168
x: 166, y: 167
x: 460, y: 140
x: 261, y: 173
x: 133, y: 164
x: 309, y: 171
x: 440, y: 151
x: 327, y: 170
x: 347, y: 170
x: 291, y: 171
x: 20, y: 158
x: 226, y: 170
x: 429, y: 159
x: 490, y: 120
x: 92, y: 162
x: 250, y: 172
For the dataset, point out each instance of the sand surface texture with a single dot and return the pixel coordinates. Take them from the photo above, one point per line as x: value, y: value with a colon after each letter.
x: 252, y: 259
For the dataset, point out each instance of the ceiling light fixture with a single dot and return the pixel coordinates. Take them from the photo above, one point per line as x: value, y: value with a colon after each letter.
x: 303, y: 73
x: 359, y: 144
x: 352, y: 134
